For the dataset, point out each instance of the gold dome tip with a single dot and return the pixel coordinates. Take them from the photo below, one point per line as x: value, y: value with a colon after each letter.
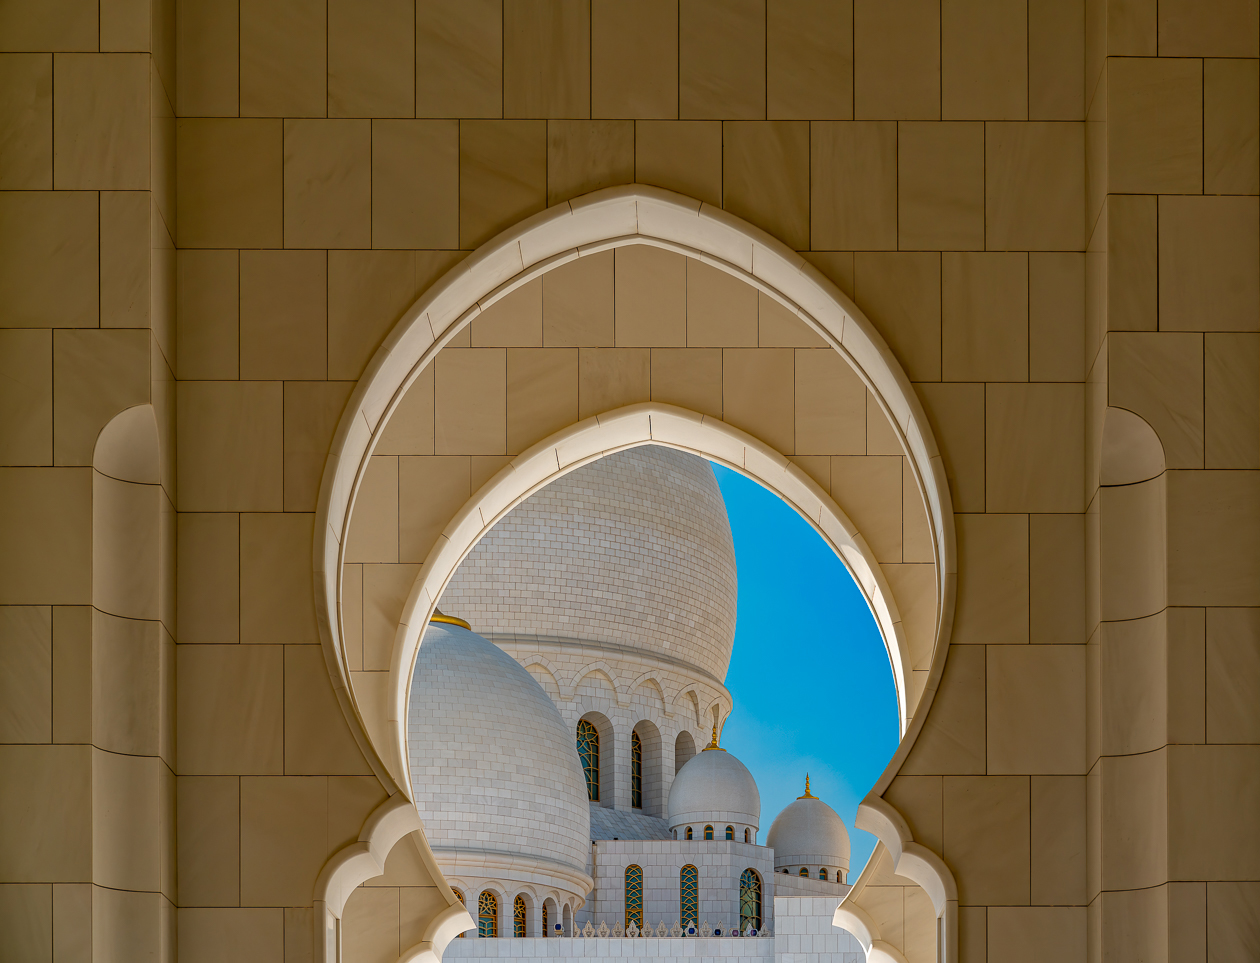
x: 437, y: 616
x: 713, y: 743
x: 807, y: 792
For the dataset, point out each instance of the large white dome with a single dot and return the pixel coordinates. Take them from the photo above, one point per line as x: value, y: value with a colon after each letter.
x: 633, y: 549
x: 494, y: 768
x: 809, y: 833
x: 714, y: 787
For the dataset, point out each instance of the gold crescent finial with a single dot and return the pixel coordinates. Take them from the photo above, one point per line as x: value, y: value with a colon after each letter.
x: 438, y: 616
x: 713, y: 744
x: 807, y: 792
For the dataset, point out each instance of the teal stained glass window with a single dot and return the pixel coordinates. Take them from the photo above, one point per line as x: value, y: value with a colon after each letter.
x: 636, y: 771
x: 749, y: 900
x: 588, y: 752
x: 634, y: 895
x: 689, y: 895
x: 487, y: 914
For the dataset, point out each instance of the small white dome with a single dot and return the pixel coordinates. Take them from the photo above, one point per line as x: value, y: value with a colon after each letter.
x: 714, y: 787
x: 494, y: 767
x: 809, y: 833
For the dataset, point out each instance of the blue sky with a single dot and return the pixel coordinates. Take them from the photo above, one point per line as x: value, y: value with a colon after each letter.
x: 812, y: 686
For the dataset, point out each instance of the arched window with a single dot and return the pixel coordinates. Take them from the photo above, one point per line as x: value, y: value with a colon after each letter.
x: 588, y: 752
x: 804, y: 871
x: 636, y: 771
x: 518, y: 916
x: 822, y: 873
x: 546, y: 921
x: 749, y: 900
x: 748, y: 835
x: 708, y: 832
x: 487, y: 915
x: 459, y: 895
x: 689, y: 832
x: 634, y: 895
x: 689, y: 895
x: 730, y: 832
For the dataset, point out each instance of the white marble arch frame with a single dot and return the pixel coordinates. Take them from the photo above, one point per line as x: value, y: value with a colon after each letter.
x: 601, y: 221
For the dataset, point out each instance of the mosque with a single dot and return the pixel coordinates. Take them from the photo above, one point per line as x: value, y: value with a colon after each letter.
x: 565, y: 756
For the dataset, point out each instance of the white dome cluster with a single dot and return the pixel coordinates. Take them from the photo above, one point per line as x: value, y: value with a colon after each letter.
x: 810, y: 834
x: 714, y: 789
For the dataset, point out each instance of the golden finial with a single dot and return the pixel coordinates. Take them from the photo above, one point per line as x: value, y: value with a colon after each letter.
x: 807, y: 793
x: 449, y: 620
x: 713, y: 743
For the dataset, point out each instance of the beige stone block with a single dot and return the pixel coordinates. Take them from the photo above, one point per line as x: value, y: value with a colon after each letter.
x: 351, y: 800
x: 1231, y: 127
x: 1227, y: 29
x: 1056, y: 60
x: 765, y: 177
x: 688, y: 377
x: 1034, y: 186
x: 722, y: 59
x: 901, y: 294
x: 585, y: 155
x: 284, y: 315
x: 317, y: 739
x: 650, y: 297
x: 502, y: 176
x: 837, y: 266
x: 972, y: 934
x: 1132, y: 263
x: 881, y: 437
x: 777, y: 327
x: 1037, y: 934
x: 415, y: 183
x: 1035, y: 698
x: 299, y: 934
x: 367, y: 293
x: 897, y: 60
x: 1212, y: 835
x: 470, y: 401
x: 1133, y: 685
x: 207, y: 935
x: 578, y: 302
x: 208, y: 572
x: 72, y: 674
x: 47, y: 794
x: 721, y: 309
x: 1057, y: 820
x: 459, y: 58
x: 940, y: 186
x: 26, y: 913
x: 374, y: 526
x: 953, y: 736
x: 1056, y: 568
x: 370, y: 930
x: 208, y: 58
x: 277, y: 604
x: 1208, y: 250
x: 1056, y: 317
x: 416, y: 904
x: 1034, y: 447
x: 918, y: 799
x: 371, y: 59
x: 809, y: 60
x: 853, y: 189
x: 547, y: 59
x: 514, y: 321
x: 284, y: 59
x: 126, y: 255
x: 96, y: 374
x: 126, y: 685
x: 58, y: 25
x: 208, y: 817
x: 1160, y: 378
x: 49, y: 259
x: 869, y: 491
x: 409, y: 430
x: 1214, y: 538
x: 680, y: 155
x: 916, y: 533
x: 230, y: 178
x: 283, y: 838
x: 830, y: 407
x: 612, y: 378
x: 101, y: 122
x: 26, y: 111
x: 231, y: 451
x: 1231, y: 919
x: 1233, y: 674
x: 987, y: 838
x: 992, y: 579
x: 1231, y: 400
x: 1132, y: 544
x: 208, y: 315
x: 46, y: 514
x: 125, y: 813
x: 634, y: 59
x: 386, y: 587
x: 312, y: 410
x: 431, y: 491
x: 352, y: 615
x: 231, y: 709
x: 542, y: 394
x: 1155, y: 126
x: 758, y: 394
x: 956, y: 414
x: 328, y: 183
x: 26, y: 674
x: 984, y: 60
x: 1187, y: 668
x: 26, y: 397
x: 72, y: 920
x: 984, y: 317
